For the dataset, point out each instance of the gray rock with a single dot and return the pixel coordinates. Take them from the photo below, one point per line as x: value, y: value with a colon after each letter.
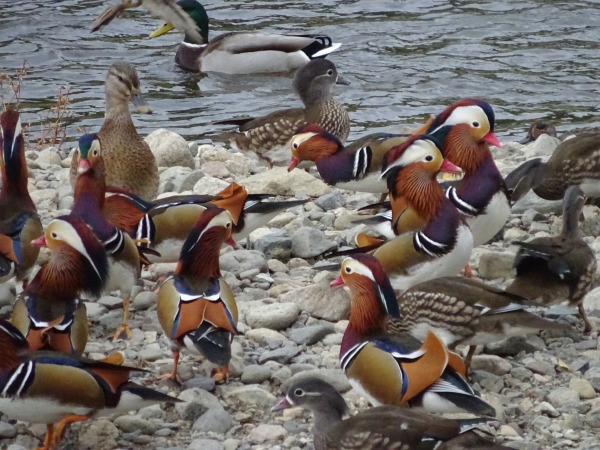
x: 169, y: 149
x: 541, y: 367
x: 310, y: 335
x: 215, y: 169
x: 265, y: 337
x: 134, y: 423
x: 530, y: 216
x: 583, y: 387
x: 277, y: 245
x: 145, y: 300
x: 494, y: 265
x: 45, y: 199
x: 172, y: 178
x: 7, y: 431
x: 330, y: 201
x: 8, y: 293
x: 532, y: 201
x: 282, y: 355
x: 110, y: 302
x: 321, y: 301
x: 309, y: 242
x: 593, y: 376
x: 264, y: 433
x: 276, y: 316
x: 200, y: 381
x: 209, y: 186
x: 250, y: 396
x: 196, y: 402
x: 556, y: 311
x: 216, y: 420
x: 255, y: 374
x: 205, y: 444
x: 150, y: 352
x: 492, y: 364
x: 100, y: 434
x: 241, y: 260
x: 49, y: 156
x: 562, y: 396
x: 547, y: 409
x: 189, y: 181
x: 95, y: 311
x: 281, y: 182
x: 514, y: 345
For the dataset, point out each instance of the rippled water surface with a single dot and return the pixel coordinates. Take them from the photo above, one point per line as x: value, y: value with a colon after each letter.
x: 405, y: 60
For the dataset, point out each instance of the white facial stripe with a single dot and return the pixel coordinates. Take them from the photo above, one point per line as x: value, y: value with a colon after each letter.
x: 67, y: 233
x: 301, y: 138
x: 466, y: 114
x: 417, y: 151
x: 18, y: 131
x: 358, y: 268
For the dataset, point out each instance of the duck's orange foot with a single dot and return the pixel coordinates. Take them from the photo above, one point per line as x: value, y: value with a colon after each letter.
x: 61, y: 427
x: 468, y: 271
x: 123, y: 332
x: 220, y: 374
x: 173, y: 376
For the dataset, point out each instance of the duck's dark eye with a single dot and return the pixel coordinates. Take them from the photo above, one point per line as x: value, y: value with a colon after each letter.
x: 429, y: 158
x: 295, y: 145
x: 330, y: 72
x: 475, y: 124
x: 95, y: 153
x: 54, y: 235
x: 348, y: 269
x: 299, y: 393
x: 228, y: 225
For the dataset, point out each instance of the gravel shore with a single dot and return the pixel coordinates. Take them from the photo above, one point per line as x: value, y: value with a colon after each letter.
x: 544, y: 387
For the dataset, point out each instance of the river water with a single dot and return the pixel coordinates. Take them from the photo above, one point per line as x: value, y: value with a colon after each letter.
x: 405, y: 60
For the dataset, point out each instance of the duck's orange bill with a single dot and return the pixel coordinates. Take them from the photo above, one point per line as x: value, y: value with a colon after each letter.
x: 491, y: 138
x: 40, y: 242
x: 337, y: 282
x: 293, y: 163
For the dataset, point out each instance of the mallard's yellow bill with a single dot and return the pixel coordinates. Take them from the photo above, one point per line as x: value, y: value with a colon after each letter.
x: 162, y: 30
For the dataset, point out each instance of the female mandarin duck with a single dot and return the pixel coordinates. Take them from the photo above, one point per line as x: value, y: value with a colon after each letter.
x: 49, y: 313
x: 124, y: 257
x: 54, y: 388
x: 165, y: 224
x: 434, y: 239
x: 558, y: 268
x: 397, y: 369
x: 268, y: 136
x: 130, y: 164
x: 575, y: 161
x: 379, y: 428
x: 196, y: 307
x: 243, y: 52
x: 19, y: 221
x: 465, y: 130
x: 462, y: 311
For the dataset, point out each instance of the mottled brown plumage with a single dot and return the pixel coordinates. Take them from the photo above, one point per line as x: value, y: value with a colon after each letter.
x: 129, y: 162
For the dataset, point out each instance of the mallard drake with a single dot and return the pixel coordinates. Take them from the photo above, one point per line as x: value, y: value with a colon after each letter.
x: 49, y: 313
x: 575, y: 161
x: 196, y: 308
x: 434, y: 239
x: 125, y: 260
x: 55, y: 388
x: 558, y: 268
x: 130, y: 164
x: 268, y: 136
x: 536, y: 129
x: 168, y: 10
x: 397, y: 369
x: 19, y: 221
x: 379, y: 428
x: 243, y: 52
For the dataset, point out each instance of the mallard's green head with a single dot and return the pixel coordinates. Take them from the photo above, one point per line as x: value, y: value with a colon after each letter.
x: 197, y: 13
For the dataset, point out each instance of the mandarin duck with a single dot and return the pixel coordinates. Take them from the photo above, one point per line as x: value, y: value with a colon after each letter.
x: 125, y: 260
x: 434, y: 239
x: 536, y: 129
x: 55, y: 388
x: 164, y: 224
x: 168, y: 10
x: 397, y: 369
x: 557, y: 268
x: 458, y: 310
x: 268, y: 135
x: 49, y: 313
x: 243, y: 52
x: 19, y: 221
x: 465, y: 129
x: 130, y: 164
x: 378, y: 428
x: 196, y: 308
x: 575, y: 161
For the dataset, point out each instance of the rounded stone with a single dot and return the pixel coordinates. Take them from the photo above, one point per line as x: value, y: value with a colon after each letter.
x: 169, y: 149
x: 216, y: 420
x: 275, y: 316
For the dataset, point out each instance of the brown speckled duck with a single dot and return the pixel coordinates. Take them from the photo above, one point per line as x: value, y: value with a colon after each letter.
x: 129, y: 162
x: 268, y: 135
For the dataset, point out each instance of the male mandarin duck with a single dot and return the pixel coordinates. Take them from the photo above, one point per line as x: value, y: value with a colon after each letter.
x: 124, y: 256
x: 575, y: 161
x: 164, y: 224
x: 168, y: 10
x: 465, y: 129
x: 55, y: 388
x: 268, y: 135
x: 391, y: 369
x: 434, y: 239
x: 19, y: 221
x: 130, y: 164
x: 196, y: 308
x: 558, y: 268
x: 243, y: 52
x: 49, y: 313
x: 378, y: 428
